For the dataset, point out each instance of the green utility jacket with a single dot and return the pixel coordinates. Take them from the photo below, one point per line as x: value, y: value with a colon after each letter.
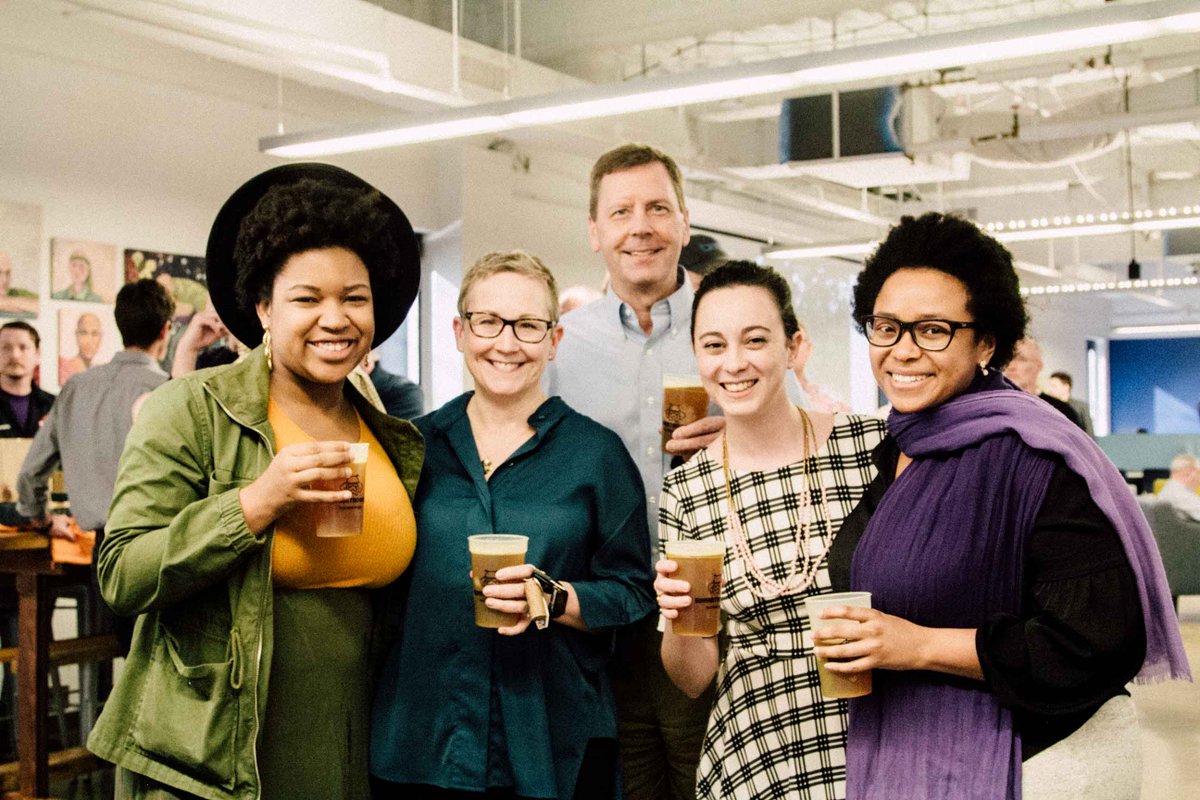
x: 189, y: 706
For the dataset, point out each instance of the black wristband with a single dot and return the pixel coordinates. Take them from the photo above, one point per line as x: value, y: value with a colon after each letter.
x: 558, y: 601
x: 556, y: 593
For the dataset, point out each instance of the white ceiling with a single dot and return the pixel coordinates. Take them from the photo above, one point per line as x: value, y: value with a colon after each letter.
x: 1003, y: 141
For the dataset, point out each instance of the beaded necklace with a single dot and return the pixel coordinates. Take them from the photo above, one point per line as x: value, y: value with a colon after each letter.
x: 804, y: 567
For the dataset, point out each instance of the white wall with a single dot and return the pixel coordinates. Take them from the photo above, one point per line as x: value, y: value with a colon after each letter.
x: 542, y: 210
x: 1062, y: 326
x: 145, y: 160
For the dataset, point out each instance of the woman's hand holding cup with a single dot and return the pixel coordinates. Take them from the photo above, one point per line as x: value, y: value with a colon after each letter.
x: 507, y: 595
x: 287, y: 481
x: 673, y: 594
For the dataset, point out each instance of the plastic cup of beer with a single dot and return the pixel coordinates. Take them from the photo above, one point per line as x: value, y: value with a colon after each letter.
x: 344, y: 517
x: 684, y: 402
x: 701, y: 563
x: 837, y: 685
x: 491, y: 552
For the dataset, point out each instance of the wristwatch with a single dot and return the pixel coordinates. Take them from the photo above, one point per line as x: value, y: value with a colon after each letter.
x: 556, y: 593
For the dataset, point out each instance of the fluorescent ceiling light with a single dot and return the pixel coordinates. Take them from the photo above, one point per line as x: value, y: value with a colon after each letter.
x: 823, y: 251
x: 430, y: 132
x: 627, y: 102
x: 1093, y: 27
x: 1037, y: 269
x: 1179, y: 327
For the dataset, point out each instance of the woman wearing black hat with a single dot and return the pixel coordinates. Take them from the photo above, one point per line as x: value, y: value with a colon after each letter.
x: 249, y: 670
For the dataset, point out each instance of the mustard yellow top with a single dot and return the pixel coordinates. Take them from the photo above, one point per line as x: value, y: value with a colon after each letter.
x: 376, y: 557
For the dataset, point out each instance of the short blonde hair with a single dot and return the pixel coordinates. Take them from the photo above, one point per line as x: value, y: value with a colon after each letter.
x: 517, y: 261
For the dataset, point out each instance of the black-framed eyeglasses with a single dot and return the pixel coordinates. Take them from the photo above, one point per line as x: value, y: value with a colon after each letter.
x: 928, y: 334
x: 529, y: 330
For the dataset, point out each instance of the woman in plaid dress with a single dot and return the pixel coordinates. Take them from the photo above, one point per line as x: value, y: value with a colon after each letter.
x: 775, y: 487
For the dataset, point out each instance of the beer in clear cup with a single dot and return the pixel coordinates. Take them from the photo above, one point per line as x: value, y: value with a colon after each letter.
x: 490, y: 553
x: 701, y: 563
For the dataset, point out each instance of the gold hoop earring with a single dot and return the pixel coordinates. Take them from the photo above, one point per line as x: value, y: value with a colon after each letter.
x: 267, y: 347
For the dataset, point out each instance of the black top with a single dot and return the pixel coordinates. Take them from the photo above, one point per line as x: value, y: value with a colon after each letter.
x: 39, y: 406
x: 401, y: 397
x: 1080, y: 636
x: 1063, y: 408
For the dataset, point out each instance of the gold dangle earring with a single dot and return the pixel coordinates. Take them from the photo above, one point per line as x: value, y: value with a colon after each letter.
x: 267, y: 347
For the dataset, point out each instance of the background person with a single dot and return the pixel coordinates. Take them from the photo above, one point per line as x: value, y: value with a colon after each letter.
x: 23, y: 404
x: 1180, y: 488
x: 576, y: 296
x: 1015, y: 584
x: 816, y: 396
x: 700, y: 256
x: 1059, y: 387
x: 400, y: 397
x: 774, y: 489
x: 249, y: 670
x: 1025, y: 368
x: 514, y: 712
x: 85, y: 430
x: 205, y: 332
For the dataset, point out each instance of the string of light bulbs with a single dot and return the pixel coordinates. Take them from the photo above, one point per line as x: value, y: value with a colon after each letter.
x: 1060, y: 226
x: 1111, y: 286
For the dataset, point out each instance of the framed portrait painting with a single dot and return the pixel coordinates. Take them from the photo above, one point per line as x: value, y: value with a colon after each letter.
x: 87, y: 337
x: 84, y: 272
x: 20, y: 255
x: 184, y: 277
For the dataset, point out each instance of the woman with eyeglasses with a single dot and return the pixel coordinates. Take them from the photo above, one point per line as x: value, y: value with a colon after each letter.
x: 1015, y: 585
x: 522, y: 710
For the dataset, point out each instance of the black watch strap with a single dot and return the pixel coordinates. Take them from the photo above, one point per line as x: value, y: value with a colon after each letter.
x: 556, y: 593
x: 557, y: 600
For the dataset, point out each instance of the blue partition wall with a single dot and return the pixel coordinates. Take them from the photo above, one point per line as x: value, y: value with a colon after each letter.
x: 1155, y: 385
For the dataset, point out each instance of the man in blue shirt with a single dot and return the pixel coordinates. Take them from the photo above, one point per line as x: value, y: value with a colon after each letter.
x: 610, y: 367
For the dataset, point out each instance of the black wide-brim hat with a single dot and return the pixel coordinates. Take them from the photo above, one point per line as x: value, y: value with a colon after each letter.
x: 391, y: 299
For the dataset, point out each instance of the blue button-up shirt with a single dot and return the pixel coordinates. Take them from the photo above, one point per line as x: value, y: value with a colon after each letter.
x: 609, y: 369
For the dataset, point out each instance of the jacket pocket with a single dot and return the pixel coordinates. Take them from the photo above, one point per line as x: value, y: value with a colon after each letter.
x: 188, y: 718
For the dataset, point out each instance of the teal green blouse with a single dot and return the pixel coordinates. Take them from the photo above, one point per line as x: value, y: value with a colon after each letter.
x: 453, y: 696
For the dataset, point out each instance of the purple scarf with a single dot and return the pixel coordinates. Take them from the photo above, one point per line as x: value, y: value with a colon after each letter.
x: 943, y: 550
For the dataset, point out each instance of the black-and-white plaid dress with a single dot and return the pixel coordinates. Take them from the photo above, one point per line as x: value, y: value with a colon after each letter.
x: 770, y: 733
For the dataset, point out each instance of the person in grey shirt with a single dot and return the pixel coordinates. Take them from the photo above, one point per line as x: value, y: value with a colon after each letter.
x: 85, y: 430
x: 610, y: 367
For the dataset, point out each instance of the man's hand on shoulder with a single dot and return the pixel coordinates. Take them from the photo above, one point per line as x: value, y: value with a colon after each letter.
x: 689, y: 439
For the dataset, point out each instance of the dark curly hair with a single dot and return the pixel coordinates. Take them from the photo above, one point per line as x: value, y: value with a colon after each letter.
x: 747, y: 273
x: 960, y: 249
x: 309, y: 215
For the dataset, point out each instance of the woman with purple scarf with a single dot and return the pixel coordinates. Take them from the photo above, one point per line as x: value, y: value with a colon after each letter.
x: 1015, y: 583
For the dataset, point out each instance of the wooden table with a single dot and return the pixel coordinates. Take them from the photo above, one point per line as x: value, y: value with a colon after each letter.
x: 27, y: 557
